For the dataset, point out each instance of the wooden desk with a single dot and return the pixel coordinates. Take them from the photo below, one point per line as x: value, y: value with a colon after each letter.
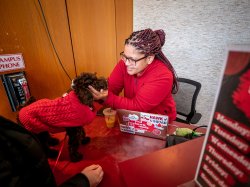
x: 108, y: 147
x: 168, y: 167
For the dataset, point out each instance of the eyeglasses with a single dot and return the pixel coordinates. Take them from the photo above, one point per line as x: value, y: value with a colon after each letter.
x: 129, y: 59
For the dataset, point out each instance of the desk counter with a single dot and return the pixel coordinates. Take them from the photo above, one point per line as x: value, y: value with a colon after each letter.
x: 111, y: 149
x: 169, y: 167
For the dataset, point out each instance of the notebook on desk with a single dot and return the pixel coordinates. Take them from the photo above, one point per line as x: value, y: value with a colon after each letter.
x: 141, y: 123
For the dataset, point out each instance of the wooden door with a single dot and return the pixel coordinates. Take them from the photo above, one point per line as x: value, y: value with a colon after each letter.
x: 80, y: 36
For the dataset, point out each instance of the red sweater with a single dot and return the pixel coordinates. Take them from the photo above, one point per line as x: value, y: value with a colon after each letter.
x: 150, y: 92
x: 55, y: 115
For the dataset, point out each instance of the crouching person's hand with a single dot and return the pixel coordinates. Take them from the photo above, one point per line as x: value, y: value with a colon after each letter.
x: 94, y: 173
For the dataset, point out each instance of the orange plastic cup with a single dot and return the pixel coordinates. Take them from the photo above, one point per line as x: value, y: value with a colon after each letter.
x: 110, y: 117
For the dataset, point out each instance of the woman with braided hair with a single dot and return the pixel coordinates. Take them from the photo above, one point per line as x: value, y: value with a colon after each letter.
x: 145, y: 74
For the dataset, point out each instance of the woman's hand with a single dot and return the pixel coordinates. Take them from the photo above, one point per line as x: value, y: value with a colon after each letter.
x: 94, y: 173
x: 102, y: 94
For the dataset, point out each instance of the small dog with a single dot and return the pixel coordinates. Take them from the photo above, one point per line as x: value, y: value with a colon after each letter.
x: 69, y: 113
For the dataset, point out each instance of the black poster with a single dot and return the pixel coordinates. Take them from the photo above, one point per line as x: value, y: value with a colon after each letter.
x: 225, y: 160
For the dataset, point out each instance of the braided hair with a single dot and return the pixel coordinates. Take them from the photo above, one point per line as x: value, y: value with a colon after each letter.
x: 150, y: 42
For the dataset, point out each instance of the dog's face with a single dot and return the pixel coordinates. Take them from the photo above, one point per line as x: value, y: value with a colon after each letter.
x: 100, y: 84
x: 81, y: 83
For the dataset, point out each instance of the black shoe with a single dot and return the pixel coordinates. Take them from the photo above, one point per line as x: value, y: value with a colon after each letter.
x: 75, y: 157
x: 85, y: 140
x: 53, y: 141
x: 52, y: 153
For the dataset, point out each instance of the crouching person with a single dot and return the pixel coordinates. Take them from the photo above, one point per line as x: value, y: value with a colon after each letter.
x: 23, y: 162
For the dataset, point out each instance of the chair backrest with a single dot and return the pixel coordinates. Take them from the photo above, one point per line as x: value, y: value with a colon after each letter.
x: 185, y: 100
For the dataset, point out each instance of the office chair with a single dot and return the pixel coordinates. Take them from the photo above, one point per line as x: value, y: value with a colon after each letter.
x: 185, y: 100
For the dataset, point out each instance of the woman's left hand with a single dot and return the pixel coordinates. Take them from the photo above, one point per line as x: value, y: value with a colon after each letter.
x: 102, y: 94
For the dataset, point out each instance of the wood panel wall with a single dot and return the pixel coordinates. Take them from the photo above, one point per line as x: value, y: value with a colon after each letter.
x: 88, y: 36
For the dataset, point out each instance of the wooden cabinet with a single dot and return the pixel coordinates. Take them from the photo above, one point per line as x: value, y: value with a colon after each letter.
x: 86, y: 35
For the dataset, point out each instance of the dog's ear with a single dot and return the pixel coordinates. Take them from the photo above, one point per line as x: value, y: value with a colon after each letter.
x: 85, y: 97
x: 80, y: 86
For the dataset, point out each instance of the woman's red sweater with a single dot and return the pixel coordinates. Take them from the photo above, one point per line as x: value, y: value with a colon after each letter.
x: 150, y: 92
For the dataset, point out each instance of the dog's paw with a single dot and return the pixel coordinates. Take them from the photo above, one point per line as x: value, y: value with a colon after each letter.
x: 75, y: 157
x: 85, y: 140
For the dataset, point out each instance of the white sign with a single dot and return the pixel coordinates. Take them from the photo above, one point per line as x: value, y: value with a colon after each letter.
x: 10, y: 62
